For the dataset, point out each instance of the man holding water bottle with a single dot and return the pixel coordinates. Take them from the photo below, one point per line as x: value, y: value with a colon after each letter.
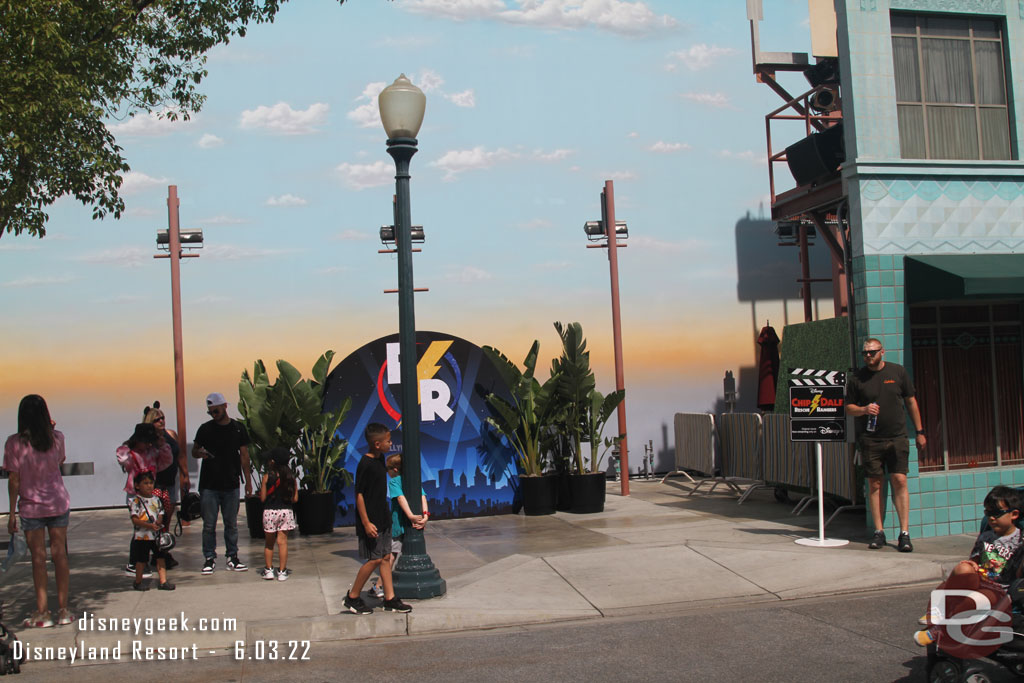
x: 877, y: 394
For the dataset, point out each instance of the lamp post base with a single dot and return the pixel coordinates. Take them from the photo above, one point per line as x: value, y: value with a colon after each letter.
x: 417, y: 578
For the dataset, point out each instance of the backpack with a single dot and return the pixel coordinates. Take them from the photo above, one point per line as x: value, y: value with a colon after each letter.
x: 190, y: 509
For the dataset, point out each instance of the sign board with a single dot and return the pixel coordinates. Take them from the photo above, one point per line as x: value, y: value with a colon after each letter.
x: 817, y: 405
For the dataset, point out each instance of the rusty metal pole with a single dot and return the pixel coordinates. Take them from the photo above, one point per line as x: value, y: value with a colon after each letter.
x: 179, y: 363
x: 805, y: 282
x: 608, y: 217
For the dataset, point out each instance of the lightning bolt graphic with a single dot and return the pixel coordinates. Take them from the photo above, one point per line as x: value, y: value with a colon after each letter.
x: 814, y: 403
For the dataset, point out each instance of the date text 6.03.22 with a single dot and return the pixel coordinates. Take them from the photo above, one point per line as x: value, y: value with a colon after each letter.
x: 272, y: 650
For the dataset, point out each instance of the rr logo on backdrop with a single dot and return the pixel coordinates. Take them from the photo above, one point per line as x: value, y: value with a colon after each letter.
x: 466, y: 471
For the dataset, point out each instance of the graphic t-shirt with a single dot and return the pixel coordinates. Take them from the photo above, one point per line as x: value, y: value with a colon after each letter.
x: 992, y: 553
x: 149, y: 510
x: 888, y: 387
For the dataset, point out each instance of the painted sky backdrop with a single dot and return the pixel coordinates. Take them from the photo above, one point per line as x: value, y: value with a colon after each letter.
x: 531, y: 106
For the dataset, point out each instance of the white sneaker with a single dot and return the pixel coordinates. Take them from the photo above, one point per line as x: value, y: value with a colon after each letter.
x: 376, y: 591
x: 283, y: 574
x: 267, y: 573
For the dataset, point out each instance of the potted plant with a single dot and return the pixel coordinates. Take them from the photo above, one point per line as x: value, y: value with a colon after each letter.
x: 290, y: 413
x: 522, y: 420
x: 586, y: 411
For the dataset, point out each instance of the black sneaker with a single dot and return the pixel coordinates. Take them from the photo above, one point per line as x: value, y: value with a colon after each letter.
x: 140, y: 586
x: 165, y: 586
x: 356, y: 606
x: 878, y: 540
x: 396, y: 605
x: 903, y: 544
x: 209, y: 566
x: 129, y: 570
x: 236, y: 565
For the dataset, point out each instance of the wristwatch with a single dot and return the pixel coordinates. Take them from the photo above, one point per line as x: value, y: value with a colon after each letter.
x: 920, y: 432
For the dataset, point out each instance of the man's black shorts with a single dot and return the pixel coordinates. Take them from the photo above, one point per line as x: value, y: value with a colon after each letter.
x: 893, y: 454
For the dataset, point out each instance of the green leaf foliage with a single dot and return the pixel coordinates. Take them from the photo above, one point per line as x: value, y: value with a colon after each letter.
x: 68, y: 66
x: 575, y: 383
x: 289, y: 413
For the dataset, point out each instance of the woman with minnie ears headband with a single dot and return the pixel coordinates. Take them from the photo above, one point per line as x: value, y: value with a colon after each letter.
x: 178, y: 469
x: 144, y: 450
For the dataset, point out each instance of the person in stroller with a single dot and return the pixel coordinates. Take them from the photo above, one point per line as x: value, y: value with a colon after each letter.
x: 997, y: 557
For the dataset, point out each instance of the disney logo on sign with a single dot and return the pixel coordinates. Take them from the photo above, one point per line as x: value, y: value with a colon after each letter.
x: 830, y: 430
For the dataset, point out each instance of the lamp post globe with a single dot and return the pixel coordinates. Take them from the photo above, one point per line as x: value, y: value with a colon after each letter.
x: 401, y: 112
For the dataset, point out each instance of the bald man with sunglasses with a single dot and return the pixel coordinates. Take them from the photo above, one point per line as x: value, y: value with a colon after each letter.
x: 882, y: 390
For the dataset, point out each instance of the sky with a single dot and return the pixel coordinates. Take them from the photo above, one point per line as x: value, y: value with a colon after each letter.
x: 531, y: 106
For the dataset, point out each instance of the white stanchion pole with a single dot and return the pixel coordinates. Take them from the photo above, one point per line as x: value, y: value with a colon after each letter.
x: 821, y: 541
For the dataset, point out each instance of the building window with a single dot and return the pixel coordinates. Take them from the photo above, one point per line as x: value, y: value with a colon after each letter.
x: 951, y: 97
x: 969, y: 374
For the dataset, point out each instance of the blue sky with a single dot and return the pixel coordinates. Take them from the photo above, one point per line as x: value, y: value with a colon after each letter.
x: 531, y: 106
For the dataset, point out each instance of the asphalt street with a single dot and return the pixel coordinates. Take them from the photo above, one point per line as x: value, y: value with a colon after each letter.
x: 856, y: 638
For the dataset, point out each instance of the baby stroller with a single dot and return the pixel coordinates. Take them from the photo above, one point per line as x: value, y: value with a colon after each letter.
x: 958, y: 654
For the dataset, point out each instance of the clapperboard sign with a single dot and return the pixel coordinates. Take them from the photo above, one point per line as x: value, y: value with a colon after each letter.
x: 817, y: 405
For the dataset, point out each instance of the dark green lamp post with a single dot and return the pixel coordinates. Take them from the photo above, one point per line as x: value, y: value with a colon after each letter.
x: 401, y: 111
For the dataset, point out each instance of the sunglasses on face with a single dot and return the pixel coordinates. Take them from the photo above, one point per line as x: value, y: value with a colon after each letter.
x: 870, y: 353
x: 997, y: 513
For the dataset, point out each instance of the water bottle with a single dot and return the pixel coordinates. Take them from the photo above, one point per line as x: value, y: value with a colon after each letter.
x: 872, y: 422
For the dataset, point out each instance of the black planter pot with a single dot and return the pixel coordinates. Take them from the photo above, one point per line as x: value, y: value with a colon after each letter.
x: 254, y: 516
x: 564, y: 492
x: 587, y: 492
x: 540, y: 494
x: 315, y: 512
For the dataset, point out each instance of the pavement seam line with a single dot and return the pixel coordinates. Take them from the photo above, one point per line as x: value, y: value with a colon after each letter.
x: 570, y: 584
x: 734, y: 573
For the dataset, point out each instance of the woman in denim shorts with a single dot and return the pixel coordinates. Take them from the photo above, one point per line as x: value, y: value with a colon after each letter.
x: 33, y: 457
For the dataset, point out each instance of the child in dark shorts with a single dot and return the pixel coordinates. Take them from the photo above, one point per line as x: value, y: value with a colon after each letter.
x: 373, y: 526
x: 149, y: 515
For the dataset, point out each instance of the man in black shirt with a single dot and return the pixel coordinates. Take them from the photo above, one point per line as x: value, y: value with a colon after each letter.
x: 880, y: 391
x: 222, y: 445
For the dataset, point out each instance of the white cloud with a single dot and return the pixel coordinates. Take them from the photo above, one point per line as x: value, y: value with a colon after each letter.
x: 362, y: 176
x: 367, y: 114
x: 536, y: 224
x: 351, y: 236
x: 619, y: 175
x: 633, y: 134
x: 120, y: 299
x: 208, y: 299
x: 466, y: 274
x: 135, y: 182
x: 141, y: 212
x: 628, y: 17
x: 222, y: 220
x: 749, y: 155
x: 7, y: 246
x: 231, y: 252
x: 555, y: 155
x: 662, y: 147
x: 428, y: 81
x: 124, y: 257
x: 466, y: 98
x: 331, y: 270
x: 456, y: 161
x: 701, y: 55
x: 209, y: 141
x: 283, y: 120
x: 286, y: 200
x: 710, y: 99
x: 36, y: 281
x: 151, y: 124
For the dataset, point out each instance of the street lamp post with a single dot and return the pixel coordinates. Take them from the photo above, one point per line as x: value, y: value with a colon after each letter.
x: 174, y: 240
x: 610, y: 230
x: 401, y: 112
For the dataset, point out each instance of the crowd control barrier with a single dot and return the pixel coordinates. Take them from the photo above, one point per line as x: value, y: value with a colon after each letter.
x: 695, y: 450
x: 742, y: 439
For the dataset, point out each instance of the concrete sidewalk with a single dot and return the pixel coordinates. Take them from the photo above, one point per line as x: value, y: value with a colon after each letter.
x: 658, y: 550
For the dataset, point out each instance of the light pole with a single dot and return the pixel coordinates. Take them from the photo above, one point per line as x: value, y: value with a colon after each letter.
x: 401, y: 111
x: 610, y: 230
x: 174, y: 240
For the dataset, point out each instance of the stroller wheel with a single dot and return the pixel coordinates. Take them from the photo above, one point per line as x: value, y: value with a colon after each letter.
x: 781, y: 495
x: 943, y: 671
x: 976, y: 677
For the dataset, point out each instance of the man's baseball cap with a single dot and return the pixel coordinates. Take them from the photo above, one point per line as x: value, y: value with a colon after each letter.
x: 216, y: 399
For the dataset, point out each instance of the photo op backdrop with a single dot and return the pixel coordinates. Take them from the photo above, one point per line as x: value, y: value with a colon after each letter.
x: 466, y: 471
